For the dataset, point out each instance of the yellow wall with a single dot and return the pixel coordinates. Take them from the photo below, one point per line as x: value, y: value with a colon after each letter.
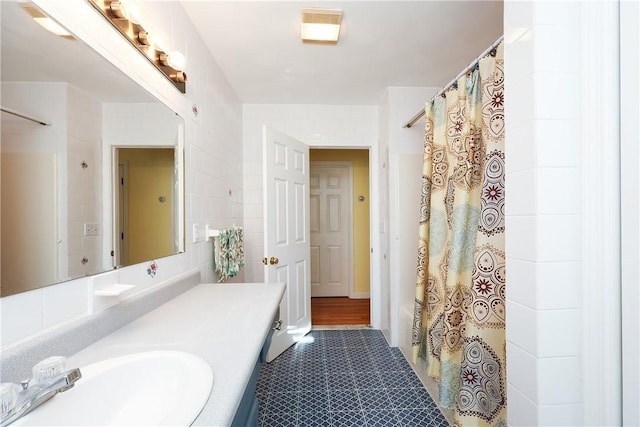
x: 360, y: 160
x: 150, y: 175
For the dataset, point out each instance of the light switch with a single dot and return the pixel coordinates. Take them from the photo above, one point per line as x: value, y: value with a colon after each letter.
x: 199, y: 233
x: 195, y: 233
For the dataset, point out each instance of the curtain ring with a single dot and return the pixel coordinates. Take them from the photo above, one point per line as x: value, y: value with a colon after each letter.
x: 493, y: 52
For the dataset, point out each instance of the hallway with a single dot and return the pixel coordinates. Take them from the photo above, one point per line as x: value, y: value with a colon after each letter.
x: 342, y: 311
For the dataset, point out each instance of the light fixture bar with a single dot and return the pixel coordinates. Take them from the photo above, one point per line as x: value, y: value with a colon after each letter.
x: 321, y: 25
x: 124, y: 17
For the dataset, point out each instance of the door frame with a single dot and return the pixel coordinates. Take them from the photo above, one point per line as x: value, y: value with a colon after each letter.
x: 630, y: 209
x: 346, y: 164
x: 375, y: 289
x: 121, y: 206
x: 375, y: 296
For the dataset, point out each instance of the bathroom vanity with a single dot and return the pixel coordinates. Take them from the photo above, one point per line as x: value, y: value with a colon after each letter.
x: 226, y: 325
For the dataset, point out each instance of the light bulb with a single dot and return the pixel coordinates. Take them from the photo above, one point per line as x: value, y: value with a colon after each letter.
x: 176, y: 60
x: 125, y: 9
x: 156, y: 41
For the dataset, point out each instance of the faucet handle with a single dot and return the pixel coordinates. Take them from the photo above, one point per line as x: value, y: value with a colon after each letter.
x: 48, y: 368
x: 8, y: 397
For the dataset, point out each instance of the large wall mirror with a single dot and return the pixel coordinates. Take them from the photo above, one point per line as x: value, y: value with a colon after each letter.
x: 99, y: 185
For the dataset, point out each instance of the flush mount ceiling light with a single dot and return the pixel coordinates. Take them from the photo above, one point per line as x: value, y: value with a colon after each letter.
x: 45, y: 21
x: 321, y: 25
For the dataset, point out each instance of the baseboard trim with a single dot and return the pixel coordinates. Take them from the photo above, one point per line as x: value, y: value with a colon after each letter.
x: 359, y: 295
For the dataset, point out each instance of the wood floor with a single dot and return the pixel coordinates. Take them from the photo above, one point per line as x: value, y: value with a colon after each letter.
x: 333, y: 311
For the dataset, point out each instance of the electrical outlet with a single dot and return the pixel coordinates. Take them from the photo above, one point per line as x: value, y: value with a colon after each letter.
x: 91, y: 229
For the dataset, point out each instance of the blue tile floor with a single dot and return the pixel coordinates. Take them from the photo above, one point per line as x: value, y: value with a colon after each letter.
x: 344, y: 378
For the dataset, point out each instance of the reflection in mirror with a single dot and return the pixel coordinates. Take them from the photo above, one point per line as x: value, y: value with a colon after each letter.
x: 145, y: 182
x: 57, y: 182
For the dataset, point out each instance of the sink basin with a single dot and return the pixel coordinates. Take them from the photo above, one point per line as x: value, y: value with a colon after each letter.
x: 143, y: 389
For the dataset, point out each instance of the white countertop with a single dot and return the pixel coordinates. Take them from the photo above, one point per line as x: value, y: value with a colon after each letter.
x: 225, y: 324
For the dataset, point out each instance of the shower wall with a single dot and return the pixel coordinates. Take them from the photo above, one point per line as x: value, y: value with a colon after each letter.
x: 405, y: 148
x: 562, y: 181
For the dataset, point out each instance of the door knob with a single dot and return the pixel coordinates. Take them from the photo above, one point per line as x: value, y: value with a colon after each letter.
x: 273, y: 260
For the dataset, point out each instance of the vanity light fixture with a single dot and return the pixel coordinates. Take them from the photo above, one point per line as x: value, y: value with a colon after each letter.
x: 125, y: 9
x: 321, y: 25
x: 45, y: 21
x: 173, y: 59
x: 125, y: 17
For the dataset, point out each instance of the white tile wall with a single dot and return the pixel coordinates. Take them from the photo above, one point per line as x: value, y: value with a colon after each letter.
x: 525, y: 274
x: 520, y: 240
x: 558, y: 380
x: 557, y: 285
x: 522, y: 328
x: 522, y: 203
x: 522, y: 410
x: 567, y: 337
x: 558, y: 191
x: 380, y: 256
x: 544, y: 212
x: 553, y: 95
x: 557, y: 143
x: 22, y: 315
x: 84, y: 200
x: 561, y: 415
x: 65, y: 302
x: 522, y: 367
x: 525, y: 157
x: 559, y: 237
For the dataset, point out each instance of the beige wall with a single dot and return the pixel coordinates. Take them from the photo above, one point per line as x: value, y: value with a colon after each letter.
x: 361, y: 245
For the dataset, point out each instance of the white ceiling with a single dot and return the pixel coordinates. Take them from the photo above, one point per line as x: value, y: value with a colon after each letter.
x: 382, y: 43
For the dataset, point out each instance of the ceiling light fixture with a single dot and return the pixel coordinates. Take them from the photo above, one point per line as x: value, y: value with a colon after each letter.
x: 45, y: 21
x: 321, y: 25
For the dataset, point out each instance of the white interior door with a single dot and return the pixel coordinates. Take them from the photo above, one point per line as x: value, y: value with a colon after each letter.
x: 286, y: 245
x: 330, y: 225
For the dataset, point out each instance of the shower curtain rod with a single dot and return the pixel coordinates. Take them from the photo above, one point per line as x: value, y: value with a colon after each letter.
x: 448, y: 85
x: 24, y: 116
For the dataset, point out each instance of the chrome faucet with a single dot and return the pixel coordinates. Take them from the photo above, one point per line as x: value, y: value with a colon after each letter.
x: 32, y: 396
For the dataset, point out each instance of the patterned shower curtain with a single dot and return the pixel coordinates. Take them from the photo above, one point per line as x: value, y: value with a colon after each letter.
x: 459, y: 321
